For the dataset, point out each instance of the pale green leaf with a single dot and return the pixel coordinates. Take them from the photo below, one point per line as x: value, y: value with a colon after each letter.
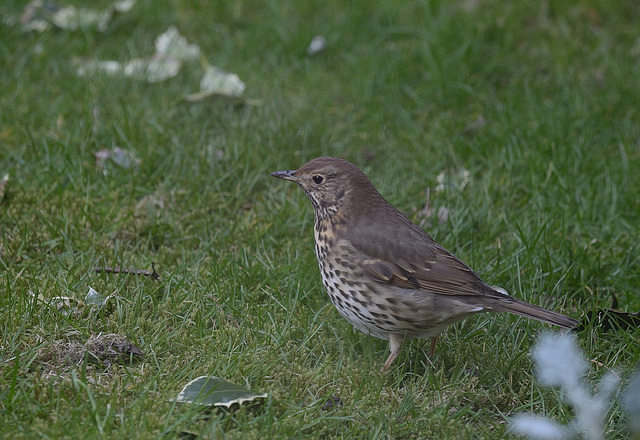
x: 213, y: 391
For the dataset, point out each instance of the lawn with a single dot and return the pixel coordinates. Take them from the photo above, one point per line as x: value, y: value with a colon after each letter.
x: 517, y: 121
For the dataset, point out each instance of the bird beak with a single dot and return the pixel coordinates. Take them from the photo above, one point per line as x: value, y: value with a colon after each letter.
x: 286, y: 175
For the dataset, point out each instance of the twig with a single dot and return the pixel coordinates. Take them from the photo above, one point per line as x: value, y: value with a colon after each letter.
x: 148, y: 273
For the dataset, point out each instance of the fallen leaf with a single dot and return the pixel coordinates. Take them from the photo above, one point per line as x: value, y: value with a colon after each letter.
x: 121, y: 157
x: 124, y: 158
x: 95, y: 299
x: 34, y: 16
x: 332, y: 402
x: 171, y: 44
x: 609, y: 319
x: 61, y: 303
x: 88, y: 67
x: 101, y: 156
x: 427, y: 211
x: 318, y: 44
x: 155, y: 69
x: 216, y: 81
x: 171, y: 50
x: 213, y: 391
x: 151, y: 204
x: 452, y: 180
x: 41, y: 16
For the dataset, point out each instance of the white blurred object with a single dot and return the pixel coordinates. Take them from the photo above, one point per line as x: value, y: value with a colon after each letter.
x: 560, y: 363
x: 318, y: 44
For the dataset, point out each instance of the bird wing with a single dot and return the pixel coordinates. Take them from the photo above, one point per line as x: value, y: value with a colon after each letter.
x: 416, y: 261
x: 447, y: 275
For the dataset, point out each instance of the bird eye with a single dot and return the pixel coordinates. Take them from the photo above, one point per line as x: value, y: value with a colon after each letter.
x: 317, y: 179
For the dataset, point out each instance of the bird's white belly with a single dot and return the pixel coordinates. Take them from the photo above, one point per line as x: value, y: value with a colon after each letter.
x: 346, y: 302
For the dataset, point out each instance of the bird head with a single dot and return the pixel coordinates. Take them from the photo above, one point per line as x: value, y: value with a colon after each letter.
x: 329, y: 183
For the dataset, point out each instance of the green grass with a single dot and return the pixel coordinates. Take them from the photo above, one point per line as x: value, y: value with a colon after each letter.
x: 551, y: 213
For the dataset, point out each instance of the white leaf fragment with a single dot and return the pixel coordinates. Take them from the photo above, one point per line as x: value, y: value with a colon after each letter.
x: 631, y: 403
x: 452, y: 180
x: 172, y: 49
x: 539, y: 428
x: 318, y: 44
x: 559, y: 362
x: 94, y: 298
x: 89, y: 67
x: 216, y: 81
x: 40, y: 16
x: 172, y: 44
x: 155, y: 69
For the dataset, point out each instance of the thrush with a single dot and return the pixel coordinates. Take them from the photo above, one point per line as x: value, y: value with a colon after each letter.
x: 383, y: 273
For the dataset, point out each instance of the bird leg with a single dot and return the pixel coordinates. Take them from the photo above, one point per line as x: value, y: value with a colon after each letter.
x: 432, y: 349
x: 395, y: 345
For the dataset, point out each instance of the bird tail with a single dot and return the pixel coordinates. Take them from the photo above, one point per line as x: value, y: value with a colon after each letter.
x: 521, y: 308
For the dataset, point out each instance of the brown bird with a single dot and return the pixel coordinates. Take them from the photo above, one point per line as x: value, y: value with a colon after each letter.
x: 384, y: 274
